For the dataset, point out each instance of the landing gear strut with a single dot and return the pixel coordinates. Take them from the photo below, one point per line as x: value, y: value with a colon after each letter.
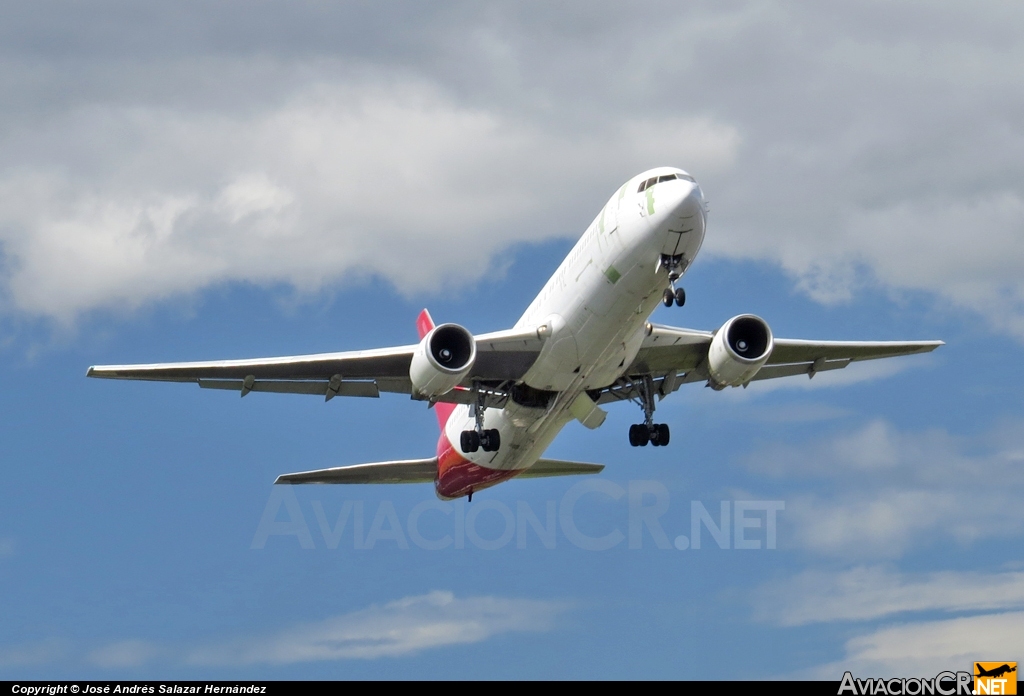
x: 479, y: 438
x: 641, y: 433
x: 675, y: 266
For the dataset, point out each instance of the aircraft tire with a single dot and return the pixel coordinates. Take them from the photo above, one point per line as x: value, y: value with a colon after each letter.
x: 663, y: 434
x: 469, y: 441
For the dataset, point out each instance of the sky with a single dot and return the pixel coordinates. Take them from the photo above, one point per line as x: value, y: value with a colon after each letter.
x: 202, y: 180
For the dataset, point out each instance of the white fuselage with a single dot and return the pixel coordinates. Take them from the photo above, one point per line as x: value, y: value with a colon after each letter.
x: 595, y: 308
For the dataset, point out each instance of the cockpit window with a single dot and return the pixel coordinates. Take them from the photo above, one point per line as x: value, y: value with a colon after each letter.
x: 664, y: 177
x: 650, y: 182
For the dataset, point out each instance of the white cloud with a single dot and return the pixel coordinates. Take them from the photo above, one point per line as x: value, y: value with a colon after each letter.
x: 344, y: 179
x: 128, y: 653
x: 420, y: 145
x: 872, y: 592
x: 923, y: 649
x: 402, y: 627
x: 881, y: 492
x: 32, y: 654
x: 916, y: 244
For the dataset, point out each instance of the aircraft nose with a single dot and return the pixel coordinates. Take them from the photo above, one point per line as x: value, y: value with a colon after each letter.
x: 690, y: 201
x: 679, y: 224
x: 684, y: 206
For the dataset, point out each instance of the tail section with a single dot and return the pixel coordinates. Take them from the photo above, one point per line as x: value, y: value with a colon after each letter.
x: 424, y: 325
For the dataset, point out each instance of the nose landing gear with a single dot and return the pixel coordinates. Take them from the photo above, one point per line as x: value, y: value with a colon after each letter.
x: 674, y: 295
x: 675, y: 266
x: 640, y: 434
x: 479, y: 438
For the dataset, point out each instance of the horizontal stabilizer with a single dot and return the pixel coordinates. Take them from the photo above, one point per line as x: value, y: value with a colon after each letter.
x: 423, y: 471
x: 406, y: 471
x: 558, y: 467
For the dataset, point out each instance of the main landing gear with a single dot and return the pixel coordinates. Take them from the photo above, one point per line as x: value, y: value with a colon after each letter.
x: 487, y: 440
x: 641, y: 433
x: 672, y: 294
x: 479, y: 438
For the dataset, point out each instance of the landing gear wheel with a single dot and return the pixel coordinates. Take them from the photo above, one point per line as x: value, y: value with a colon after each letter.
x: 470, y: 441
x: 680, y: 297
x: 640, y: 434
x: 667, y: 297
x: 659, y: 434
x: 490, y: 440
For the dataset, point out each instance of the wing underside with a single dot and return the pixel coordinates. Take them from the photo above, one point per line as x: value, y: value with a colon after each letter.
x: 502, y: 357
x: 673, y: 357
x: 669, y: 356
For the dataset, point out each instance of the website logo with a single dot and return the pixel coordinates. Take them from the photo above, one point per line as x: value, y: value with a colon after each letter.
x: 995, y: 678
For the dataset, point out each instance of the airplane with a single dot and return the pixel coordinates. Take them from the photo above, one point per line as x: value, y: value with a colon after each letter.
x: 585, y: 341
x: 996, y: 672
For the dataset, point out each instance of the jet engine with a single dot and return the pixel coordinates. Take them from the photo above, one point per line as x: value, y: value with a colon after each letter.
x: 738, y: 350
x: 441, y: 360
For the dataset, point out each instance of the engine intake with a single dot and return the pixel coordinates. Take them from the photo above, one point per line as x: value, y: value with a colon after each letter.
x: 442, y: 359
x: 739, y: 349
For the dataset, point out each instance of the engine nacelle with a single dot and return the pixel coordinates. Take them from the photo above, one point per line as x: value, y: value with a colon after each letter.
x: 442, y: 359
x: 739, y: 349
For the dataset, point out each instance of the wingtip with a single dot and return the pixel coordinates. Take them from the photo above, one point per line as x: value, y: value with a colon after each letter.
x: 101, y: 372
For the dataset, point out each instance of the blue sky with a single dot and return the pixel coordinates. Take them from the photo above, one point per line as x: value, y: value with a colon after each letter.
x: 333, y: 172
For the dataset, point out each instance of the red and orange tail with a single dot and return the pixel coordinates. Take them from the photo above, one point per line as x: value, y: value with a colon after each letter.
x: 424, y: 325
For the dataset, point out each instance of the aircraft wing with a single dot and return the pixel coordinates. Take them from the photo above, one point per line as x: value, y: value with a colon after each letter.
x: 423, y: 471
x: 501, y: 356
x: 682, y: 353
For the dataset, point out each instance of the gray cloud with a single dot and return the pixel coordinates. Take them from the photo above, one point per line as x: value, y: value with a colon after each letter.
x: 853, y: 145
x: 343, y: 179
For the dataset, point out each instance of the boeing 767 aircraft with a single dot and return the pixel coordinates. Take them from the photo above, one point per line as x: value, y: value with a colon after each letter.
x: 585, y: 341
